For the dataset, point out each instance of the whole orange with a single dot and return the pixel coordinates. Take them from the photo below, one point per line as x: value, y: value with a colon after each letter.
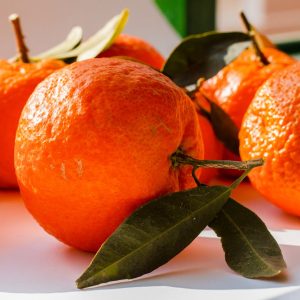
x: 234, y: 87
x: 136, y: 48
x: 271, y: 130
x: 17, y: 82
x: 94, y: 143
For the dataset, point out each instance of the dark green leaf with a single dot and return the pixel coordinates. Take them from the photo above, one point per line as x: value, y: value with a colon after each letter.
x: 202, y: 55
x: 154, y: 234
x: 224, y: 128
x: 249, y: 248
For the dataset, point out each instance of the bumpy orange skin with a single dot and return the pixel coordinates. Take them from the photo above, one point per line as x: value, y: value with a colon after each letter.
x: 17, y: 82
x: 136, y: 48
x: 271, y: 130
x: 94, y: 143
x: 234, y: 87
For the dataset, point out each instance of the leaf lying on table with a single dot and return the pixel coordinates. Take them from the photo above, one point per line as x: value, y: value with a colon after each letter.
x: 203, y: 55
x: 154, y: 234
x: 249, y: 248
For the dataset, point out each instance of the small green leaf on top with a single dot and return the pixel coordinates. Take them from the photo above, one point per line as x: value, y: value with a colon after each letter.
x: 99, y: 41
x: 154, y: 234
x: 203, y: 55
x: 104, y: 38
x: 250, y: 249
x: 72, y: 41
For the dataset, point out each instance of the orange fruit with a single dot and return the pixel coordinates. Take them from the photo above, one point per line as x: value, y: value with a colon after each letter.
x: 136, y: 48
x: 234, y: 87
x: 17, y: 82
x: 271, y: 130
x: 94, y: 143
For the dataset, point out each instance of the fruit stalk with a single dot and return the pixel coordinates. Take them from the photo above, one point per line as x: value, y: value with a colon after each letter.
x: 251, y: 33
x: 21, y: 46
x: 179, y: 158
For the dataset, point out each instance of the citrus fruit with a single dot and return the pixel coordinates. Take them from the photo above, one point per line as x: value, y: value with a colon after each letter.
x: 94, y: 143
x: 17, y: 82
x: 234, y: 87
x: 136, y: 48
x: 271, y: 130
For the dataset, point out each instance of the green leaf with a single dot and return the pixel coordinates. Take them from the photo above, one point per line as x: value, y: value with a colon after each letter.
x: 154, y: 234
x: 73, y: 40
x: 100, y: 41
x: 224, y: 128
x: 202, y: 55
x: 250, y: 249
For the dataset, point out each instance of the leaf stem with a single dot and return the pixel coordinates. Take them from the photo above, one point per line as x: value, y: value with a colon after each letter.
x: 195, y: 176
x: 252, y: 35
x: 21, y: 46
x: 240, y: 179
x: 179, y: 158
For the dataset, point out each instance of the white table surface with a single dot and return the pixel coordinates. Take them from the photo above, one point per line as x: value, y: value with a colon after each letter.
x: 33, y: 265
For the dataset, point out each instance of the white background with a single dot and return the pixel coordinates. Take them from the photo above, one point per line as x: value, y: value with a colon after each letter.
x: 35, y: 266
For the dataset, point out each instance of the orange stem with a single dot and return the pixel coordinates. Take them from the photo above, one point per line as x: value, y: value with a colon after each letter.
x: 251, y: 33
x: 21, y: 46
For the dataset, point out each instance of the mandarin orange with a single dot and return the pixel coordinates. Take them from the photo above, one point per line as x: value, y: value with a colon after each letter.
x: 136, y: 48
x: 94, y: 143
x: 17, y: 82
x: 271, y: 129
x: 234, y: 87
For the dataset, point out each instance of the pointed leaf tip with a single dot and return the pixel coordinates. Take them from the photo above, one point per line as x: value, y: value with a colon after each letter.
x: 100, y: 41
x: 154, y: 234
x: 104, y: 38
x: 250, y: 249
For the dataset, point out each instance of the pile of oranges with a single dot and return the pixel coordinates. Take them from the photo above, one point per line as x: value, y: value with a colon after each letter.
x: 89, y: 142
